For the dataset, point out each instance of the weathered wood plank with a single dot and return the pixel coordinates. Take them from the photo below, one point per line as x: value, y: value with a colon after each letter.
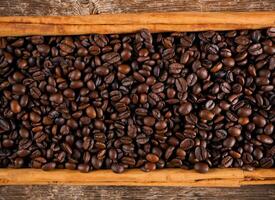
x: 45, y: 7
x: 103, y: 6
x: 85, y: 7
x: 138, y: 193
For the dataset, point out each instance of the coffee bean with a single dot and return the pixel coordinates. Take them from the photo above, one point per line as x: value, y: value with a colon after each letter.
x: 206, y: 115
x: 152, y: 158
x: 271, y: 32
x: 247, y: 158
x: 74, y: 75
x: 187, y: 144
x: 150, y: 166
x: 160, y: 125
x: 259, y: 121
x: 139, y: 100
x: 225, y: 87
x: 201, y: 153
x: 117, y: 168
x: 228, y: 62
x: 18, y: 162
x: 234, y: 131
x: 149, y: 121
x: 267, y: 162
x: 124, y: 69
x: 185, y: 108
x: 175, y: 68
x: 229, y: 142
x: 227, y: 161
x: 56, y: 98
x: 191, y: 79
x: 265, y: 139
x: 49, y: 166
x: 244, y: 112
x: 201, y: 167
x: 35, y: 117
x: 15, y: 106
x: 269, y: 129
x: 111, y: 57
x: 181, y: 85
x: 102, y: 71
x: 126, y: 54
x: 84, y: 168
x: 202, y: 73
x: 43, y: 49
x: 70, y: 166
x: 91, y: 112
x: 4, y: 125
x: 18, y: 89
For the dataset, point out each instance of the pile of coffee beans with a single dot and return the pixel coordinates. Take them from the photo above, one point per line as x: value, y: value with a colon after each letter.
x: 165, y: 100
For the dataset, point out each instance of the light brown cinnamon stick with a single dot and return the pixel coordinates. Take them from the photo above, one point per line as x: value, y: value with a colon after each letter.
x: 125, y: 23
x: 164, y: 177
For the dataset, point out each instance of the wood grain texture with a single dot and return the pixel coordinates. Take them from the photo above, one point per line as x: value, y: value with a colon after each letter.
x: 134, y: 193
x: 125, y: 23
x: 86, y: 7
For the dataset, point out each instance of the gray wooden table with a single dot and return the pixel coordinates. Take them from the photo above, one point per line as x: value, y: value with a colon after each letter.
x: 86, y: 7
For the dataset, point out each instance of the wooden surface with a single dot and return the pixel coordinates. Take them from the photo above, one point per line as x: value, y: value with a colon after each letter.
x: 136, y: 177
x: 134, y: 193
x: 85, y: 7
x: 125, y: 23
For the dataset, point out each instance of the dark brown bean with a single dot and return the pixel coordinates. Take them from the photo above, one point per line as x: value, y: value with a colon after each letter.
x: 139, y: 100
x: 201, y: 167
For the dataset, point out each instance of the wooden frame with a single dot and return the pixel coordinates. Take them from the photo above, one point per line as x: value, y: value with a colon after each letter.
x: 124, y: 23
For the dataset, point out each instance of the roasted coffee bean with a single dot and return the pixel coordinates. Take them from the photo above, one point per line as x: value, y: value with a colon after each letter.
x: 149, y: 121
x: 91, y: 112
x: 244, y: 112
x: 185, y: 108
x: 70, y: 166
x: 56, y: 98
x: 15, y: 106
x: 175, y: 68
x: 227, y: 161
x: 187, y: 144
x: 84, y: 168
x: 229, y: 142
x: 152, y: 158
x: 206, y: 115
x: 18, y: 89
x: 266, y: 139
x: 201, y: 167
x: 228, y: 62
x: 139, y: 100
x: 181, y: 85
x: 102, y: 71
x: 201, y: 153
x: 117, y: 168
x: 18, y: 163
x: 234, y: 131
x: 259, y: 121
x: 49, y: 166
x: 267, y: 162
x: 124, y: 69
x: 150, y: 166
x: 271, y: 32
